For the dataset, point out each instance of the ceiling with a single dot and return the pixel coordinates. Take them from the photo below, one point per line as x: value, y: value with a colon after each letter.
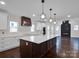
x: 27, y: 7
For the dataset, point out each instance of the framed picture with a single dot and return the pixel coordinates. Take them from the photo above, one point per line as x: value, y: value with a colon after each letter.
x: 25, y: 21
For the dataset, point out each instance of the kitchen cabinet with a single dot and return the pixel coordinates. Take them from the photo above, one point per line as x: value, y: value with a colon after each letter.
x: 7, y: 43
x: 33, y: 50
x: 3, y: 21
x: 29, y: 49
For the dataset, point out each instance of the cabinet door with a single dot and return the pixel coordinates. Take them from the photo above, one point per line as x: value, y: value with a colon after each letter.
x: 11, y: 42
x: 3, y: 21
x: 1, y: 44
x: 8, y: 43
x: 52, y: 43
x: 25, y: 49
x: 36, y: 50
x: 53, y: 46
x: 48, y: 44
x: 43, y: 48
x: 1, y: 47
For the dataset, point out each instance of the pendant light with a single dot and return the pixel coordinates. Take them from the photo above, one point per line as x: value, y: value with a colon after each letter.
x: 2, y: 2
x: 50, y: 18
x: 43, y: 15
x: 54, y: 18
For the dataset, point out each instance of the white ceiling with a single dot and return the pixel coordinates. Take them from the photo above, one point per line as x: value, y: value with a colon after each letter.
x: 28, y: 7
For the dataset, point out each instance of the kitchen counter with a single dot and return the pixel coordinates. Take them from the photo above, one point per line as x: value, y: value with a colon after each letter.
x: 37, y: 38
x: 35, y: 46
x: 20, y: 34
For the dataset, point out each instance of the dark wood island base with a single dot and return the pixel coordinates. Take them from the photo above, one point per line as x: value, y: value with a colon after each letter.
x: 34, y: 50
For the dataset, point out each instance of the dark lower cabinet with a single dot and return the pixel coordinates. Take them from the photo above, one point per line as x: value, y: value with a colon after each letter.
x: 52, y: 46
x: 33, y: 50
x: 25, y: 49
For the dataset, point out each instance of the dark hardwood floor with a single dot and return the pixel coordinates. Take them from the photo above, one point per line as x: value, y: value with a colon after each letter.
x: 13, y: 53
x: 66, y: 48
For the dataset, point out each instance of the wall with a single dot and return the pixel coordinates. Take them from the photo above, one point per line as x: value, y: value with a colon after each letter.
x: 21, y: 29
x: 18, y: 19
x: 74, y: 33
x: 53, y: 29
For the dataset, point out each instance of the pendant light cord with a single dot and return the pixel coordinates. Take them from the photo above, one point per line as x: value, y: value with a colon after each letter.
x: 55, y: 16
x: 43, y: 6
x: 50, y: 12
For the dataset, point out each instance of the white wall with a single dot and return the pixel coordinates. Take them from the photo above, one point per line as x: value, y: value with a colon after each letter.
x: 21, y: 29
x: 57, y: 27
x: 24, y: 29
x: 74, y: 33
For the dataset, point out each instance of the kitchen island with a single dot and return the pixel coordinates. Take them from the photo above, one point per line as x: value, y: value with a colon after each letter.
x: 36, y: 46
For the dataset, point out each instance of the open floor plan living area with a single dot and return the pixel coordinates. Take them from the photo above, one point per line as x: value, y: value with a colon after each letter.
x: 39, y: 29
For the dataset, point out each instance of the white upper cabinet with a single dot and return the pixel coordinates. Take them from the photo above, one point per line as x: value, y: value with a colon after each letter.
x: 3, y: 21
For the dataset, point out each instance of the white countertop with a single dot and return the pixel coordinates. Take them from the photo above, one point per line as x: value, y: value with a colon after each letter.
x: 18, y: 34
x: 31, y: 37
x: 37, y: 38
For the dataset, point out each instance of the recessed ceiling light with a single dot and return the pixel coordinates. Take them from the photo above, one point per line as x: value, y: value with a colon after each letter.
x: 68, y: 16
x: 2, y: 2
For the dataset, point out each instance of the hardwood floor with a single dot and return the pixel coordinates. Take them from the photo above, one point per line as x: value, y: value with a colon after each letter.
x: 66, y: 48
x: 13, y: 53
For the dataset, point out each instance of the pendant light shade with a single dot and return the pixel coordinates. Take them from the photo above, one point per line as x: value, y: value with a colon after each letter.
x: 50, y: 18
x: 42, y: 1
x: 54, y: 18
x: 43, y: 15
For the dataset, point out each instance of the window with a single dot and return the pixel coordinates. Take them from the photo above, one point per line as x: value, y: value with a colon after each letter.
x: 13, y: 26
x: 76, y: 27
x: 33, y: 28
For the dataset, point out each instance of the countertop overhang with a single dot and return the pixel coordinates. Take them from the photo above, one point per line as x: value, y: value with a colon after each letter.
x: 37, y: 38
